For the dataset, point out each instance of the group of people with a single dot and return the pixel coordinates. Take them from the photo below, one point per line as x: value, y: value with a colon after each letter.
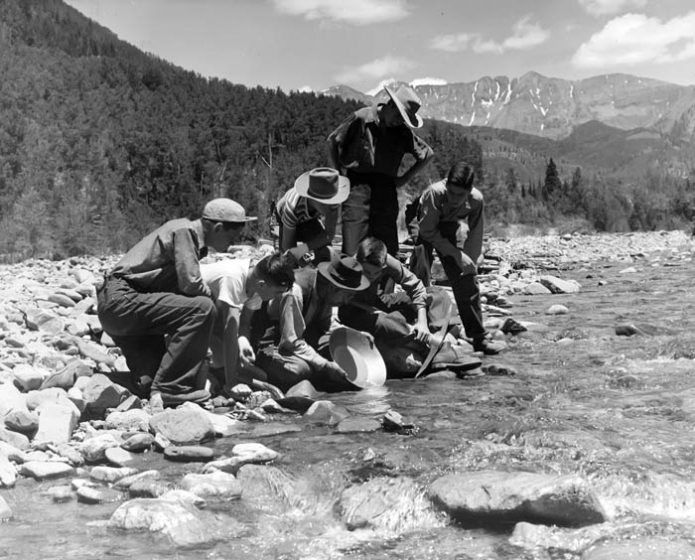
x: 271, y: 320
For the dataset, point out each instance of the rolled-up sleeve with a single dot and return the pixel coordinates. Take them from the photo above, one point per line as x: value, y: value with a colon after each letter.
x: 292, y: 327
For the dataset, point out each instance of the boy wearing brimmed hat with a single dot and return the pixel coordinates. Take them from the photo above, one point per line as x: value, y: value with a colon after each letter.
x: 308, y: 212
x: 450, y: 221
x: 294, y: 329
x: 370, y: 145
x: 156, y: 307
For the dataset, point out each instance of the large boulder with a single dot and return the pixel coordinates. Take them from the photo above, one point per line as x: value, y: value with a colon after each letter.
x: 183, y: 425
x: 101, y: 393
x: 56, y: 423
x: 496, y: 496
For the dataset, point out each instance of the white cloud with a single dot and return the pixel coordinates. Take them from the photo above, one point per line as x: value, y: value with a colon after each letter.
x: 635, y: 39
x: 428, y: 82
x: 356, y: 12
x: 525, y: 35
x: 375, y: 69
x: 610, y: 7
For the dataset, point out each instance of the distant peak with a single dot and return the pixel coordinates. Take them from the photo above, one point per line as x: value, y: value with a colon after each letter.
x: 377, y: 90
x: 428, y: 82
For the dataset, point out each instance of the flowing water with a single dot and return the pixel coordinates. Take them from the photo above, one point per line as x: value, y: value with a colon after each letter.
x: 616, y: 410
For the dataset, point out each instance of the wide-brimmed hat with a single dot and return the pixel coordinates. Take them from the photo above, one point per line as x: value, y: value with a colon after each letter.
x: 346, y: 273
x: 355, y: 352
x: 408, y: 103
x: 323, y: 184
x: 226, y: 210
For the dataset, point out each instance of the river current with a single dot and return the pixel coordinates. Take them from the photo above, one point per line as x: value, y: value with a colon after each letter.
x: 617, y: 410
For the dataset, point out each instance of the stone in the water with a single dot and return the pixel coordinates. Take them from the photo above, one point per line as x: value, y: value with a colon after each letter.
x: 94, y: 449
x: 138, y: 442
x: 5, y: 511
x: 557, y: 309
x: 118, y: 456
x: 190, y: 453
x: 110, y: 474
x: 8, y: 473
x: 41, y: 470
x: 642, y: 548
x: 88, y: 495
x: 358, y: 424
x: 217, y: 484
x: 325, y: 412
x: 183, y: 425
x: 60, y: 494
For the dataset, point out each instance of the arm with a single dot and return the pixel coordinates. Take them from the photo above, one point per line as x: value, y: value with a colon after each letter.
x: 288, y: 237
x: 292, y: 329
x: 415, y: 289
x: 340, y: 138
x: 430, y: 216
x: 246, y: 354
x: 473, y: 247
x: 423, y: 155
x: 187, y: 265
x: 331, y: 217
x: 230, y: 343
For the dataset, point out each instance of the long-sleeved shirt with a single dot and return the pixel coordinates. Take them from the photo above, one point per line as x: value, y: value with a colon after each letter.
x: 411, y: 284
x: 167, y: 260
x: 436, y: 209
x: 365, y: 145
x: 294, y: 209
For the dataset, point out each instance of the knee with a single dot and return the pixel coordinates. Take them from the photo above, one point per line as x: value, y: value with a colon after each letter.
x: 205, y: 309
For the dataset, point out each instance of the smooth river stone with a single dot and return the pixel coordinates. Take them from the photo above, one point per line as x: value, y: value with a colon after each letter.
x: 188, y: 453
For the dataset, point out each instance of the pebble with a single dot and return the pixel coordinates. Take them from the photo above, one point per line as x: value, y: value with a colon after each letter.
x: 188, y: 453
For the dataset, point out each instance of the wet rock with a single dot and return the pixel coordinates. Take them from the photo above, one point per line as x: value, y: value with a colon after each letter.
x: 393, y: 504
x: 325, y: 412
x: 358, y: 424
x: 181, y: 522
x: 94, y: 449
x: 8, y: 473
x: 643, y: 548
x: 394, y: 422
x: 118, y: 456
x: 188, y: 453
x: 60, y: 494
x: 219, y: 485
x: 267, y: 488
x: 242, y: 454
x: 296, y: 403
x: 5, y: 511
x: 559, y: 286
x: 135, y: 420
x: 303, y: 389
x: 41, y: 470
x: 499, y: 370
x: 88, y: 495
x: 147, y: 488
x: 22, y: 421
x: 127, y: 481
x: 486, y: 496
x: 183, y: 425
x: 101, y: 393
x: 138, y: 443
x: 56, y: 423
x: 110, y: 475
x: 557, y: 309
x: 185, y: 497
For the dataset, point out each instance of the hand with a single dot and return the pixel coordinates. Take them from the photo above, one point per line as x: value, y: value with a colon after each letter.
x: 422, y: 332
x: 465, y: 263
x: 246, y: 353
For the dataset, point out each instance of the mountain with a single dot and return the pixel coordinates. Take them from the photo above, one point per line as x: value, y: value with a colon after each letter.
x: 552, y: 107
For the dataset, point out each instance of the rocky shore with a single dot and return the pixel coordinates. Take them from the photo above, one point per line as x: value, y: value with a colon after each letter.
x: 65, y: 418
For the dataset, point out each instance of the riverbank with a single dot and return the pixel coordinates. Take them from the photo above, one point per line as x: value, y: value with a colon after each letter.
x: 346, y: 481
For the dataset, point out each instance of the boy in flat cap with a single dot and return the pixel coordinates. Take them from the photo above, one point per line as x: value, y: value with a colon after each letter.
x: 156, y: 307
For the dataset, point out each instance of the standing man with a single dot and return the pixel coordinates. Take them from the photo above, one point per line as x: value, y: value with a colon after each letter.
x: 156, y: 307
x: 370, y: 145
x: 450, y: 220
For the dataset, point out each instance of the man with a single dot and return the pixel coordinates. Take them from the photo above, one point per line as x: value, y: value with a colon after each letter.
x: 292, y: 331
x: 237, y: 286
x: 308, y: 212
x: 450, y: 220
x: 370, y: 145
x: 156, y: 307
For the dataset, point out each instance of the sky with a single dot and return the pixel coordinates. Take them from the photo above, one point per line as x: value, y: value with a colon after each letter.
x: 315, y: 44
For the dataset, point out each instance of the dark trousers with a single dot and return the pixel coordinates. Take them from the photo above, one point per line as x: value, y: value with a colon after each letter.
x: 370, y: 209
x: 465, y: 286
x: 139, y: 322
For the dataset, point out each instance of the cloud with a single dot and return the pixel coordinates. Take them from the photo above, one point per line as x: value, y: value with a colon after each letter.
x: 636, y: 39
x: 428, y: 82
x: 609, y: 7
x: 356, y: 12
x: 375, y: 69
x: 525, y: 35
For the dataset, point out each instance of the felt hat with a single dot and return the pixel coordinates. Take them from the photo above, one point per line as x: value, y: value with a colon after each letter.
x: 355, y: 352
x: 408, y: 103
x: 346, y: 273
x: 226, y: 210
x: 323, y: 184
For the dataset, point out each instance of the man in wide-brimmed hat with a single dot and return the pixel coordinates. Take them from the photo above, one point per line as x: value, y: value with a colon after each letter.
x: 308, y: 212
x: 369, y: 147
x: 291, y: 333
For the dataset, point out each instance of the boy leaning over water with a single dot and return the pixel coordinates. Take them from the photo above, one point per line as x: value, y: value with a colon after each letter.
x: 237, y: 286
x: 156, y: 307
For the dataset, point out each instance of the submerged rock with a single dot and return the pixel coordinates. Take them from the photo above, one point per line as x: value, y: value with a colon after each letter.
x: 183, y: 425
x: 645, y: 548
x: 495, y: 496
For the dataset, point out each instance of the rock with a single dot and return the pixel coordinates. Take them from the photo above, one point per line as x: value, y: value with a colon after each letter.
x: 94, y: 449
x: 179, y: 521
x: 138, y: 442
x: 298, y: 404
x: 65, y: 378
x: 184, y: 497
x: 61, y: 299
x: 127, y: 481
x: 359, y: 424
x: 303, y: 389
x: 110, y: 475
x: 101, y: 393
x: 147, y: 488
x: 12, y: 453
x: 41, y: 470
x: 8, y: 473
x: 5, y: 511
x: 22, y: 421
x: 217, y: 484
x: 257, y: 398
x: 95, y: 352
x: 393, y: 504
x: 56, y: 423
x: 88, y: 495
x: 641, y: 548
x: 325, y: 412
x: 242, y: 454
x: 131, y: 403
x: 559, y: 286
x: 240, y: 392
x: 60, y: 494
x: 191, y: 453
x: 517, y: 496
x: 118, y: 456
x: 183, y: 425
x: 55, y: 395
x: 27, y: 377
x: 135, y: 420
x: 557, y: 309
x: 15, y: 439
x: 43, y: 321
x: 69, y: 452
x: 11, y: 399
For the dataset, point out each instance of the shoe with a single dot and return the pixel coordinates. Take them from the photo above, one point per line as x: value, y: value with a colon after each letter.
x: 454, y: 357
x: 174, y: 399
x: 487, y: 347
